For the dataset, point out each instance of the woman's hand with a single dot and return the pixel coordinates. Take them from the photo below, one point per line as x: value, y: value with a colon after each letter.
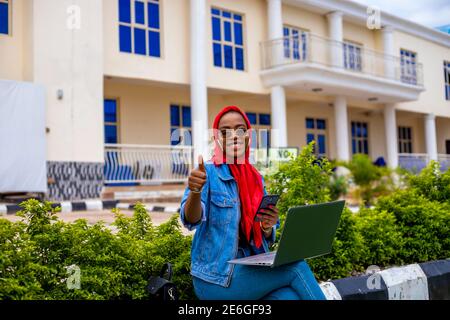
x: 197, y: 177
x: 270, y: 217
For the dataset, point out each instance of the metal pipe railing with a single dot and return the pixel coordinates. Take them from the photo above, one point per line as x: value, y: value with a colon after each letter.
x: 146, y: 164
x: 310, y: 48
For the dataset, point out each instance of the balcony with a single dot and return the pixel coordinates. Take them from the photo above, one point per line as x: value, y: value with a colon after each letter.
x: 312, y: 63
x: 127, y: 165
x: 415, y: 162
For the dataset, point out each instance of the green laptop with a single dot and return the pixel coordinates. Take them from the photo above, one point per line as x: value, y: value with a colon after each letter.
x: 308, y: 232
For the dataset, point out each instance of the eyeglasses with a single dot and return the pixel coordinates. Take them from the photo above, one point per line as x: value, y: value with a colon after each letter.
x: 229, y: 133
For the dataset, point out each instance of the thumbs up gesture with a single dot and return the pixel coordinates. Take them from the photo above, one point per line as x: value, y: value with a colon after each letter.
x: 197, y: 177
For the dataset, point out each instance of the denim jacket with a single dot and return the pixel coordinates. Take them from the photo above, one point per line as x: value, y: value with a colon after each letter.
x: 217, y: 233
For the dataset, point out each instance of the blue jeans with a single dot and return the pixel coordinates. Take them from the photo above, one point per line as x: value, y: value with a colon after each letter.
x: 293, y: 281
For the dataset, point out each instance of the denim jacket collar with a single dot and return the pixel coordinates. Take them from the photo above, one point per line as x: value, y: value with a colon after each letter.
x: 224, y: 172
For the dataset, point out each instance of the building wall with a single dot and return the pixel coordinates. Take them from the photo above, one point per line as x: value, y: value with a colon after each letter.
x: 12, y: 45
x: 442, y: 133
x: 431, y: 55
x: 302, y: 19
x: 416, y: 122
x: 361, y: 35
x: 172, y: 67
x: 144, y: 110
x: 75, y: 58
x: 255, y: 31
x: 298, y: 111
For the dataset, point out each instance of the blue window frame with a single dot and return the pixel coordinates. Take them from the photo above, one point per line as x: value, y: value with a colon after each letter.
x: 295, y: 43
x: 111, y: 120
x: 316, y: 130
x: 180, y: 125
x: 408, y: 66
x: 405, y: 140
x: 228, y: 39
x: 261, y: 129
x: 360, y: 137
x: 352, y: 56
x: 447, y: 79
x: 252, y: 118
x: 139, y: 27
x: 4, y: 16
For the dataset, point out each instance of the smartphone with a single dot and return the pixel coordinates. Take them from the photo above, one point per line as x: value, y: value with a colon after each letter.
x: 266, y: 201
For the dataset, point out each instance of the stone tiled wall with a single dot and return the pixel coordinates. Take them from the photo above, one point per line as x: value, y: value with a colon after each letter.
x: 74, y: 180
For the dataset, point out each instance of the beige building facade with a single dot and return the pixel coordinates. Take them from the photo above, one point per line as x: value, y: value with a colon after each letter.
x: 132, y: 72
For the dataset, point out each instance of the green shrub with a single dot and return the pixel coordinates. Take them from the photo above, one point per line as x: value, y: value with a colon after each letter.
x: 382, y: 238
x: 407, y: 226
x: 372, y: 181
x: 338, y: 187
x: 432, y: 183
x: 424, y: 226
x: 35, y: 254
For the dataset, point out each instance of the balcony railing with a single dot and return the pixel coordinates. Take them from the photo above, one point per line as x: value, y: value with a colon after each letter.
x: 444, y: 160
x: 414, y: 162
x: 314, y: 49
x: 146, y: 164
x: 417, y: 161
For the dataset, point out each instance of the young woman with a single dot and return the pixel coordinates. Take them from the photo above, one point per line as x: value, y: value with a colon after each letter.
x: 220, y: 202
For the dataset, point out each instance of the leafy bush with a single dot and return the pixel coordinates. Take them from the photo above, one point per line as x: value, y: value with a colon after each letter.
x: 35, y: 254
x: 381, y: 237
x: 372, y: 181
x: 338, y: 187
x: 432, y: 183
x: 424, y: 226
x: 406, y: 226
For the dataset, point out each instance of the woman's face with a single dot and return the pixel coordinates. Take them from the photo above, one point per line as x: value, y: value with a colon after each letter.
x: 233, y: 134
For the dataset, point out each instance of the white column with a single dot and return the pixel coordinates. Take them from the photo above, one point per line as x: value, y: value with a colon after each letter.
x: 199, y: 100
x: 275, y: 19
x: 275, y: 32
x: 335, y: 33
x: 277, y: 96
x: 430, y: 136
x: 390, y: 128
x: 388, y: 50
x: 341, y: 127
x: 278, y: 112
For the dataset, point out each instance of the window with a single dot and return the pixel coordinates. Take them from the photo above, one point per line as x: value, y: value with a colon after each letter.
x: 111, y: 121
x: 261, y: 129
x: 228, y: 39
x: 316, y: 130
x: 4, y: 16
x: 139, y: 27
x: 295, y: 43
x: 352, y: 56
x: 360, y: 138
x: 404, y: 140
x: 447, y: 79
x: 408, y: 66
x: 180, y: 125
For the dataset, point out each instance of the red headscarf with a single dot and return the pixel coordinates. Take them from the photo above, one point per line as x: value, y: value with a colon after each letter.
x: 247, y: 178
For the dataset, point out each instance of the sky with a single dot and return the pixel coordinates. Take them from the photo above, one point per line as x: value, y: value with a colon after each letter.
x: 431, y: 13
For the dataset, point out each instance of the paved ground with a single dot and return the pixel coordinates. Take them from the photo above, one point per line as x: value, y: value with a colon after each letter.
x: 108, y: 217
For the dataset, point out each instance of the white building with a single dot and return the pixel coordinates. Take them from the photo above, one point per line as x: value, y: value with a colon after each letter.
x: 126, y: 73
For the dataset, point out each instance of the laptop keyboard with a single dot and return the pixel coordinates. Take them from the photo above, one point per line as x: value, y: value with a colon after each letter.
x: 263, y: 259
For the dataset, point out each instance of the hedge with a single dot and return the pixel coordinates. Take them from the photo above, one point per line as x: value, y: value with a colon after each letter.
x: 408, y: 226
